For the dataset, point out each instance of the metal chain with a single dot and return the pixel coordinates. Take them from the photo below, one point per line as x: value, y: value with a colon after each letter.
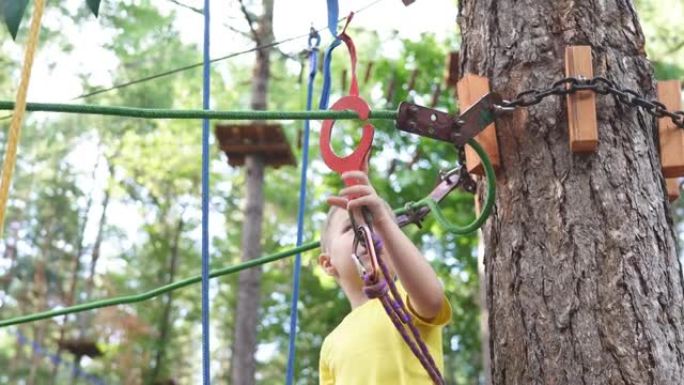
x: 599, y: 85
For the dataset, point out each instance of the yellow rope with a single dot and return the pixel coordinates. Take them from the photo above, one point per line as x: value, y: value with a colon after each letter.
x: 19, y: 110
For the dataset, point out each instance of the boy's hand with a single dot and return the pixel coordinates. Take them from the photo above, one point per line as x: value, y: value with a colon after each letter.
x: 352, y: 198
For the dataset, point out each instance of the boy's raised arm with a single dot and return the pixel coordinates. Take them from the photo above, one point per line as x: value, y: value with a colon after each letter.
x: 417, y: 276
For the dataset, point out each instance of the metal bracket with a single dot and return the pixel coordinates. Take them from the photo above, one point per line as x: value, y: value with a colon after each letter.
x: 442, y: 126
x: 447, y: 183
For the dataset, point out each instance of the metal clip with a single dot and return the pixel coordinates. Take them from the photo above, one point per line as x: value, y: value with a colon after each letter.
x: 364, y: 236
x: 360, y: 268
x: 503, y: 108
x: 447, y: 182
x: 439, y: 125
x: 445, y: 176
x: 314, y: 38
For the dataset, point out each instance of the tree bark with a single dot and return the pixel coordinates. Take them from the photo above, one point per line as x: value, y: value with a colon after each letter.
x: 243, y: 360
x: 583, y: 281
x: 164, y: 324
x: 484, y: 315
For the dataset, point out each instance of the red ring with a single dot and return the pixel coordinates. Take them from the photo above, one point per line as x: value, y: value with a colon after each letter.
x: 357, y: 159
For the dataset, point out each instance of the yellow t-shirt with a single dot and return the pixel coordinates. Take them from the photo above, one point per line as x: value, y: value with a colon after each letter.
x: 366, y: 348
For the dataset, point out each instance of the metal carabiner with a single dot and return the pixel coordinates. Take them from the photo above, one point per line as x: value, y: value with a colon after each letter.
x: 364, y: 236
x: 314, y: 38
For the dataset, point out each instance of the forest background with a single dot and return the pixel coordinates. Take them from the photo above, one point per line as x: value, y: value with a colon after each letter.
x: 103, y: 206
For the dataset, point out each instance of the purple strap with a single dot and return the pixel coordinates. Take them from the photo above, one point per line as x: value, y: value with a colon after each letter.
x: 397, y: 312
x: 375, y: 290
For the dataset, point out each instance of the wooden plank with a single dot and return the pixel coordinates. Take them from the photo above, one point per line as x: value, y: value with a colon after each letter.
x: 254, y: 148
x: 673, y: 189
x: 671, y: 136
x: 470, y: 89
x: 267, y: 140
x: 582, y: 125
x: 478, y: 204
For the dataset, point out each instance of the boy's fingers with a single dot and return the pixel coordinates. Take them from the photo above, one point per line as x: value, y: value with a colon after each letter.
x: 358, y: 189
x: 337, y: 201
x: 368, y: 200
x: 359, y: 176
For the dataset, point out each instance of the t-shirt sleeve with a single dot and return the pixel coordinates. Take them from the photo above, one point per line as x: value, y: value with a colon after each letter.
x: 442, y: 318
x: 325, y: 374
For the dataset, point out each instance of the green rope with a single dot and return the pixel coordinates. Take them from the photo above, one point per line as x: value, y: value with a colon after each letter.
x: 158, y: 291
x: 489, y: 171
x: 154, y: 113
x: 486, y: 209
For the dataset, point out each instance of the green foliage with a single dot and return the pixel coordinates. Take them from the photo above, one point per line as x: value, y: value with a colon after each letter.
x: 661, y: 23
x: 12, y: 12
x: 151, y: 171
x: 94, y: 6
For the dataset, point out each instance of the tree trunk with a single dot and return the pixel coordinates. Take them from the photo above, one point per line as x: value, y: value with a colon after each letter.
x: 40, y: 292
x: 484, y: 315
x: 243, y: 360
x: 75, y: 271
x: 583, y: 281
x: 164, y: 325
x: 84, y: 319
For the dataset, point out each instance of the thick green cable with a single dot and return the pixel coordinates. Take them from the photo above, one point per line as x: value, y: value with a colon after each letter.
x: 154, y: 113
x: 486, y: 210
x: 158, y: 291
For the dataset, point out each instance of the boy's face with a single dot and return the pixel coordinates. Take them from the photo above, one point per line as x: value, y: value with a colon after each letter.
x: 337, y: 261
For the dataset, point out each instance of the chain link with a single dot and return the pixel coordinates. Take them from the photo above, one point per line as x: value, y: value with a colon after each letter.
x: 599, y: 85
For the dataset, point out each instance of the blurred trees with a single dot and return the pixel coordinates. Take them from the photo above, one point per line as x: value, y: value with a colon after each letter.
x: 105, y: 206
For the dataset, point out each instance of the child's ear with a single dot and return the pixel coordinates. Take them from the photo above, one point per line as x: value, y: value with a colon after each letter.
x: 325, y: 262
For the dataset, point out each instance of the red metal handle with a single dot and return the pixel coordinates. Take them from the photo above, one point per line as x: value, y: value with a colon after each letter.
x: 356, y: 160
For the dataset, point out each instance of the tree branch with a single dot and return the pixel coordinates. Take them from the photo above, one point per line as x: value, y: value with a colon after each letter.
x: 196, y: 10
x: 255, y: 35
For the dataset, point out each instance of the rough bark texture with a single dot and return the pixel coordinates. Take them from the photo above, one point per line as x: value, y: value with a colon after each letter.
x: 583, y: 281
x: 484, y: 316
x: 243, y: 360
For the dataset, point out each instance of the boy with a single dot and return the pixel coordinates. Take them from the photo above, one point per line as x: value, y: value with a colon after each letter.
x: 365, y: 348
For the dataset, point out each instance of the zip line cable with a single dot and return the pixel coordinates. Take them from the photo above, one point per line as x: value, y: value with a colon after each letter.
x: 206, y: 101
x: 200, y: 64
x: 14, y: 131
x: 128, y: 299
x: 157, y: 113
x: 134, y: 298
